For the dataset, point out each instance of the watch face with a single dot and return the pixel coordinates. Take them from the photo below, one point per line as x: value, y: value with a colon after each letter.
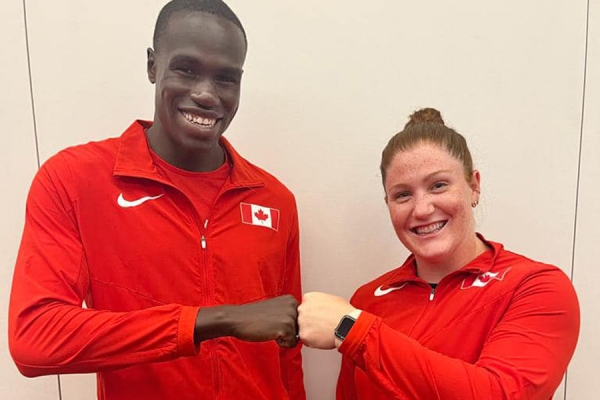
x: 344, y: 327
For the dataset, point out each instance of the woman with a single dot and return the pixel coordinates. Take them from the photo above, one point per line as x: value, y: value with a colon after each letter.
x: 462, y: 318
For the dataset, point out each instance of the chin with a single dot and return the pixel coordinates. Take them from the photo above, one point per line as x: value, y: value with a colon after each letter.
x: 434, y: 253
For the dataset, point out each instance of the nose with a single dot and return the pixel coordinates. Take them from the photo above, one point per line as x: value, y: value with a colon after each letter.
x: 204, y: 94
x: 423, y: 207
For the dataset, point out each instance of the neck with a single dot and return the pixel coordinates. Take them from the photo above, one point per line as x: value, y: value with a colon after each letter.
x: 194, y: 160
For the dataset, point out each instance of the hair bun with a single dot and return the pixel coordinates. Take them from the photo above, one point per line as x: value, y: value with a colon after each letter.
x: 425, y: 115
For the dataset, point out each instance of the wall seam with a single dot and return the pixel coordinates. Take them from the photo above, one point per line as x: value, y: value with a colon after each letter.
x: 37, y: 148
x: 578, y: 181
x: 35, y: 132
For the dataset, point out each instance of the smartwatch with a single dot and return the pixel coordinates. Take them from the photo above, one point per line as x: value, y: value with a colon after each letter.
x: 346, y: 323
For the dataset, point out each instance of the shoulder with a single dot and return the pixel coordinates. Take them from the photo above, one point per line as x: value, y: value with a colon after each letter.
x: 247, y: 173
x: 525, y: 267
x: 271, y: 181
x: 531, y: 277
x: 542, y: 293
x: 84, y: 158
x: 70, y: 172
x: 389, y: 281
x: 97, y: 156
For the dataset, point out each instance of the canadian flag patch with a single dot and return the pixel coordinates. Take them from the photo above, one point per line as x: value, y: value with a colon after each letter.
x: 254, y: 214
x: 482, y: 280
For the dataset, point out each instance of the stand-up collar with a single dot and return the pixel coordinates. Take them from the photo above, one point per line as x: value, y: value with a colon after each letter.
x: 134, y: 158
x: 482, y: 263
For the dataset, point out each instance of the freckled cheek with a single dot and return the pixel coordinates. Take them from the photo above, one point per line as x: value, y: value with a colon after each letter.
x: 399, y: 217
x: 453, y: 204
x: 462, y: 216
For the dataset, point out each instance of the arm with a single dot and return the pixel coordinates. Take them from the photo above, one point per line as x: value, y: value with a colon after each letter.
x: 291, y: 358
x: 346, y: 388
x: 49, y: 331
x: 524, y: 357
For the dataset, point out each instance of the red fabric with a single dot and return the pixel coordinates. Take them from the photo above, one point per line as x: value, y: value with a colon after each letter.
x: 144, y: 275
x: 201, y: 188
x: 509, y: 336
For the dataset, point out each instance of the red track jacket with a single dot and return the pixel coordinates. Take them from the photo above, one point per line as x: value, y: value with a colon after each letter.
x: 503, y: 327
x: 144, y: 269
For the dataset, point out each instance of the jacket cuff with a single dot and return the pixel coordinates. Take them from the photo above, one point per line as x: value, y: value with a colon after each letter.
x: 354, y: 344
x: 185, y: 331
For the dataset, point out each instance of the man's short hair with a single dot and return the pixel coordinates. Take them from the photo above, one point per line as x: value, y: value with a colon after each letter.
x: 214, y: 7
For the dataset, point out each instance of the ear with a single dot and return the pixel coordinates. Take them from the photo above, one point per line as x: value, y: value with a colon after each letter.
x: 151, y: 65
x: 475, y: 185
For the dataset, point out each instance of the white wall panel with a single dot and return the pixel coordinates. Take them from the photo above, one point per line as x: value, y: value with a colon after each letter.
x: 18, y: 165
x: 326, y: 84
x: 89, y: 68
x: 582, y: 374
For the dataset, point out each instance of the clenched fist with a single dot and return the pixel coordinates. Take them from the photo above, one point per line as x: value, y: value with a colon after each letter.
x: 273, y: 319
x: 318, y: 316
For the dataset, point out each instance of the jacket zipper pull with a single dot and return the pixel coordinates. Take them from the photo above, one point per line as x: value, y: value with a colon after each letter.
x: 432, y: 294
x: 203, y: 238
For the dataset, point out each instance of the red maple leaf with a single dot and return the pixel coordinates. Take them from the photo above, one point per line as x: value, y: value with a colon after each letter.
x: 485, y: 278
x: 261, y: 216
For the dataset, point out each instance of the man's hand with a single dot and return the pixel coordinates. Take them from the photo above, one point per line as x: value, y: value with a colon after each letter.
x: 318, y: 316
x: 273, y: 319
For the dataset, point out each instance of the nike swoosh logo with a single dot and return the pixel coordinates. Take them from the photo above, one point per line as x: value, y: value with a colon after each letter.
x: 382, y: 292
x: 126, y: 203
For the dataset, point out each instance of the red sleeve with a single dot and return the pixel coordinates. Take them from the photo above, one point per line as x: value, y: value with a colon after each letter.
x: 49, y: 331
x: 291, y: 359
x: 525, y: 357
x: 346, y: 388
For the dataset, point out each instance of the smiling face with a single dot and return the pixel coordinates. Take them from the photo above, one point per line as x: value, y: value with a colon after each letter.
x: 429, y: 200
x: 197, y: 70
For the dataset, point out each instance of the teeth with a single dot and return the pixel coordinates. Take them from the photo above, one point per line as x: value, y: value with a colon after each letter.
x: 196, y: 119
x: 433, y: 228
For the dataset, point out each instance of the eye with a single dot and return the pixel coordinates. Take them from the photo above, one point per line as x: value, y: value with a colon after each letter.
x: 184, y: 70
x: 227, y: 79
x: 402, y: 196
x: 439, y: 186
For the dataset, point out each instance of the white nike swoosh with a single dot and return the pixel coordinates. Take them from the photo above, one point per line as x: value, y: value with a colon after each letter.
x: 381, y: 292
x: 126, y: 203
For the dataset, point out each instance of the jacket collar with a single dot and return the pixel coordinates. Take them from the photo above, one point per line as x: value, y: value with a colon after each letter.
x: 482, y: 263
x: 134, y: 158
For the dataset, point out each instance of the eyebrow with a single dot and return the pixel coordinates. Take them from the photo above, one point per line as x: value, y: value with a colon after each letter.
x: 182, y: 58
x: 427, y: 177
x: 441, y: 171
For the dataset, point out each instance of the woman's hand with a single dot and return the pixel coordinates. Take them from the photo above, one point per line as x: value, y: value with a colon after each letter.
x: 318, y: 316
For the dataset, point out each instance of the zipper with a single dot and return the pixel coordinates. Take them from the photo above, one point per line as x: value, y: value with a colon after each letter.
x: 203, y: 237
x: 213, y: 345
x: 432, y: 293
x: 424, y: 308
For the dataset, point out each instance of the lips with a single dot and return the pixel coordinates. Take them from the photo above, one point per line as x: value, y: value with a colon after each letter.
x: 429, y: 229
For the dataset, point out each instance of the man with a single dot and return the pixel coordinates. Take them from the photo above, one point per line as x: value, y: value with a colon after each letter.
x: 185, y: 254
